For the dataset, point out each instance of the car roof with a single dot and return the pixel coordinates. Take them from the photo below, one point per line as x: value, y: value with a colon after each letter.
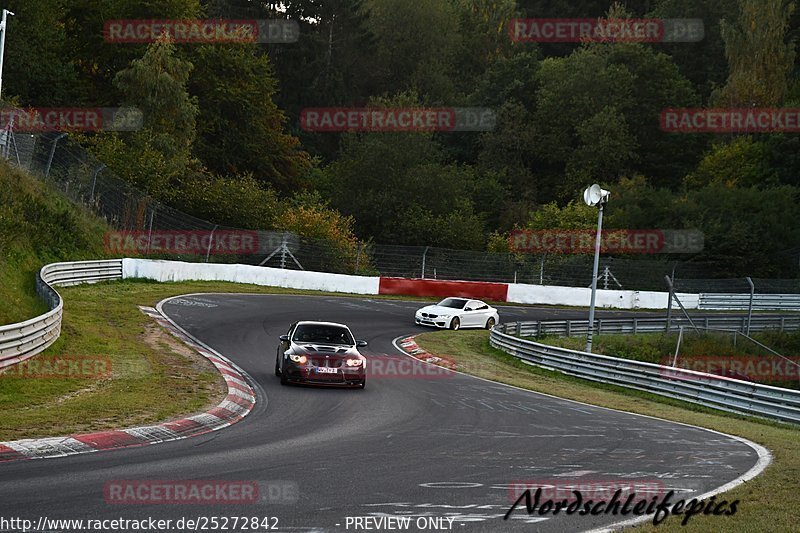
x: 463, y: 298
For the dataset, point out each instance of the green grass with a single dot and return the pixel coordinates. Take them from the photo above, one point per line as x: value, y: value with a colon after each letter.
x: 154, y: 377
x: 768, y: 502
x: 37, y: 226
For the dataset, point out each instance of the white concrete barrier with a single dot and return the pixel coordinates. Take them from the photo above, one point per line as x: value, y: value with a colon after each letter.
x: 160, y: 270
x: 580, y: 297
x: 274, y: 277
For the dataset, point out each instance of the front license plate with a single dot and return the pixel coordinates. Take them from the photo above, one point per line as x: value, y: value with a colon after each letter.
x: 325, y: 370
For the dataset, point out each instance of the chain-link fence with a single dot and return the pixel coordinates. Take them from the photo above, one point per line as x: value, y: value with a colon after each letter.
x: 67, y: 166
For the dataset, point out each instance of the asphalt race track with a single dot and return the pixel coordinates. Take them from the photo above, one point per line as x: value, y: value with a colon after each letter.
x: 412, y: 446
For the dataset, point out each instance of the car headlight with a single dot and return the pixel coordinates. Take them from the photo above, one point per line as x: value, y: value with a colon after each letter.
x: 354, y: 362
x: 298, y: 358
x: 445, y: 316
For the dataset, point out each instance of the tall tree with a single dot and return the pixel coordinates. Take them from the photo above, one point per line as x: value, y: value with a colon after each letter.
x: 37, y: 66
x: 398, y: 186
x: 240, y: 129
x: 157, y: 156
x: 417, y: 46
x: 703, y: 62
x: 98, y: 61
x: 759, y: 57
x: 332, y: 64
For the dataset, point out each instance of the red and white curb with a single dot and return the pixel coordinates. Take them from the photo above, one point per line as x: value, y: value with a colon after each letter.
x: 410, y: 346
x: 236, y: 405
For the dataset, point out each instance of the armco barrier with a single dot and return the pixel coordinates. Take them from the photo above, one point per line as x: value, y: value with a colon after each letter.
x: 431, y: 287
x: 26, y: 339
x: 718, y: 392
x: 634, y: 325
x: 738, y: 302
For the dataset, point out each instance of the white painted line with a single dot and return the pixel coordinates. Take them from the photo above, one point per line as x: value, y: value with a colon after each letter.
x: 764, y: 456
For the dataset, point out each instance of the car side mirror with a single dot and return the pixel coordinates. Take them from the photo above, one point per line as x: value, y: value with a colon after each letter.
x: 468, y: 309
x: 361, y: 344
x: 284, y: 338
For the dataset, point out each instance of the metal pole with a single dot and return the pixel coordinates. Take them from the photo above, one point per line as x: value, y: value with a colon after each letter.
x: 150, y: 231
x: 3, y: 29
x: 210, y: 242
x: 94, y: 179
x: 424, y: 255
x: 358, y: 256
x: 678, y: 346
x: 52, y: 153
x: 750, y: 306
x: 594, y: 277
x: 680, y: 304
x: 284, y: 249
x: 669, y: 302
x: 541, y: 270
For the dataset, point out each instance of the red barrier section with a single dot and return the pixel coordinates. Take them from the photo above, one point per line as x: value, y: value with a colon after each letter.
x: 430, y: 287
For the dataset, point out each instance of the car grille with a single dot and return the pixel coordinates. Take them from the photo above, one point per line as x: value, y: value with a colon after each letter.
x: 426, y: 315
x: 330, y: 363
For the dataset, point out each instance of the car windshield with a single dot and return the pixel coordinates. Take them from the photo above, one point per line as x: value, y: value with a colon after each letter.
x: 455, y: 303
x: 322, y: 334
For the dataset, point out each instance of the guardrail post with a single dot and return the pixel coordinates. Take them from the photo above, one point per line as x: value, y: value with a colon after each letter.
x: 635, y: 325
x: 599, y: 326
x: 569, y: 328
x: 519, y: 329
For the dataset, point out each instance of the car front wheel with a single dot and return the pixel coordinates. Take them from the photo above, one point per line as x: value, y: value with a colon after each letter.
x: 284, y: 379
x: 455, y: 324
x: 490, y: 323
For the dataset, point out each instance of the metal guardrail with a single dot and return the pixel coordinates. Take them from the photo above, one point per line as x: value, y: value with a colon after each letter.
x: 26, y: 339
x: 738, y: 302
x: 628, y: 326
x: 718, y: 392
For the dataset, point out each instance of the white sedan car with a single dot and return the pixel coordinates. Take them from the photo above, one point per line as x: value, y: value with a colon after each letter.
x: 457, y: 313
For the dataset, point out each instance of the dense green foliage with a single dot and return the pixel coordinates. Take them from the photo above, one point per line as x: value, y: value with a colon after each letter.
x: 65, y: 232
x: 222, y: 137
